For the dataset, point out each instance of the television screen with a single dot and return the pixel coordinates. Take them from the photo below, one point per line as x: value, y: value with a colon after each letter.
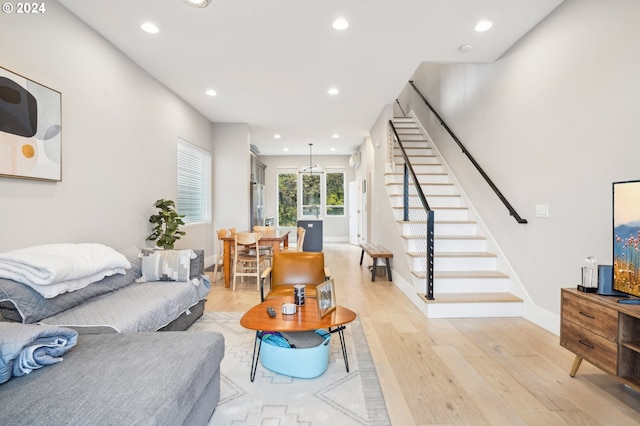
x: 626, y: 237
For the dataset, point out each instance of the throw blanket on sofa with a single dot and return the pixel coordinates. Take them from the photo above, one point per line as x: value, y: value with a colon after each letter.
x: 26, y: 347
x: 53, y: 269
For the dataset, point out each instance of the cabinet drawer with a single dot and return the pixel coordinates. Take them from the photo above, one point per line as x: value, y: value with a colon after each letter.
x: 597, y: 350
x: 596, y: 318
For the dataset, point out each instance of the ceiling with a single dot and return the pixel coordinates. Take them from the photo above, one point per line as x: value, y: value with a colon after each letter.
x: 271, y: 62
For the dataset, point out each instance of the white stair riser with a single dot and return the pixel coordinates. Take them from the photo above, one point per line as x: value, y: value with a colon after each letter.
x: 441, y: 215
x: 409, y: 228
x: 470, y: 285
x: 411, y: 150
x: 455, y: 264
x: 435, y: 200
x: 448, y: 246
x: 458, y: 214
x: 439, y: 197
x: 464, y: 263
x: 417, y: 245
x: 422, y: 179
x: 427, y: 190
x: 474, y: 310
x: 455, y: 228
x: 410, y: 135
x: 419, y: 160
x: 451, y: 214
x: 420, y: 228
x: 470, y: 245
x: 426, y: 168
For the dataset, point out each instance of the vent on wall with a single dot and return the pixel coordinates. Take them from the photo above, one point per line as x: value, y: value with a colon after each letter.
x: 354, y: 160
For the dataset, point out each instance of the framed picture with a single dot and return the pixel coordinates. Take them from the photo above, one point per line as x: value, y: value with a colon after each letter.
x: 326, y: 297
x: 30, y: 129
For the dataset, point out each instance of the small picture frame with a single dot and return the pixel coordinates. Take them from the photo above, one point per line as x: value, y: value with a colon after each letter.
x: 326, y: 298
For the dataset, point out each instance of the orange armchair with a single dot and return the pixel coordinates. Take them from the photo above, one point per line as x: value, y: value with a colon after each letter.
x: 289, y: 268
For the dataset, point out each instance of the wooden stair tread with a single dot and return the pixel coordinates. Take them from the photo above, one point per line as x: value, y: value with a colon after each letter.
x: 464, y: 254
x: 461, y: 274
x: 452, y: 254
x: 417, y: 173
x: 460, y: 237
x: 474, y: 298
x: 469, y: 274
x: 423, y: 183
x: 417, y: 156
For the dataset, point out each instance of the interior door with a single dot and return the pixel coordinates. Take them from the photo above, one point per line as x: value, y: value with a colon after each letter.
x: 355, y: 209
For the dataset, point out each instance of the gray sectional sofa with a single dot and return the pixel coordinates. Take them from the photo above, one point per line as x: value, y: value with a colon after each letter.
x: 121, y: 371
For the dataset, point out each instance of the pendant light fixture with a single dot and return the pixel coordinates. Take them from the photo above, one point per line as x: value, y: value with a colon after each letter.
x: 309, y: 169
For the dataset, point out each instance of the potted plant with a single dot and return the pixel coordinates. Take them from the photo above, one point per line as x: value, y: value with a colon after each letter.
x: 167, y: 224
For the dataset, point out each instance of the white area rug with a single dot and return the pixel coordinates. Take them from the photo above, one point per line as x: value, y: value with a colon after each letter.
x: 335, y: 398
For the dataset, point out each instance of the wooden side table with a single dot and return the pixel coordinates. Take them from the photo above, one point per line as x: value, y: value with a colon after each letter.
x: 603, y: 332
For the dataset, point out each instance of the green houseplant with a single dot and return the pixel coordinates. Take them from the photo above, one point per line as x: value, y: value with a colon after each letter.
x: 167, y: 224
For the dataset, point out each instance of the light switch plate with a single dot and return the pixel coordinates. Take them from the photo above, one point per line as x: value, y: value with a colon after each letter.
x: 542, y: 210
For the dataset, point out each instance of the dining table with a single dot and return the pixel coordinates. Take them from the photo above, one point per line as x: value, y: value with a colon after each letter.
x: 277, y: 239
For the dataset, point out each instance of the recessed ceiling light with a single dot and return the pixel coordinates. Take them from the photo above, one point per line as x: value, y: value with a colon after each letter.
x: 150, y: 28
x: 465, y: 48
x: 333, y: 91
x: 198, y: 3
x: 277, y: 136
x: 483, y: 25
x: 340, y: 24
x: 335, y: 136
x: 332, y: 149
x: 285, y: 149
x: 211, y: 92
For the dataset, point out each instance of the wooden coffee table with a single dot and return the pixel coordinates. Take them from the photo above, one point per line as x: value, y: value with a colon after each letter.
x: 305, y: 319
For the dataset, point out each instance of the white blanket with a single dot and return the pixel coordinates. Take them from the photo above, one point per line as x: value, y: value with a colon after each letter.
x: 53, y: 269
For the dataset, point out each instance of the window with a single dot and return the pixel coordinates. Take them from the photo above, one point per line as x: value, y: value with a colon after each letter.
x: 334, y: 192
x: 287, y: 199
x: 194, y: 183
x: 311, y: 194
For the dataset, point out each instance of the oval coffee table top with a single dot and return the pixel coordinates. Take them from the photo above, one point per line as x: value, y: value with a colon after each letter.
x: 305, y: 318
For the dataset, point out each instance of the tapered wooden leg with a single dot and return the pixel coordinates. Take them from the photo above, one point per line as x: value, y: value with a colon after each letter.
x: 575, y: 366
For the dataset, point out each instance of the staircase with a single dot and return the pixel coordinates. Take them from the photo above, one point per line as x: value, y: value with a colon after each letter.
x: 467, y: 282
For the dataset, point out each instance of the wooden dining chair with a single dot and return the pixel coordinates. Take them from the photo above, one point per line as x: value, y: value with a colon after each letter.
x: 247, y: 257
x: 220, y: 258
x: 266, y: 251
x: 300, y: 233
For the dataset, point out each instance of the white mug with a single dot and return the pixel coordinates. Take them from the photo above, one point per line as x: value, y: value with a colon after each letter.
x: 288, y: 308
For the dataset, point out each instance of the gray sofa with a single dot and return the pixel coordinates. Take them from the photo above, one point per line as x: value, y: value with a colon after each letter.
x: 170, y: 378
x: 121, y: 372
x: 115, y: 304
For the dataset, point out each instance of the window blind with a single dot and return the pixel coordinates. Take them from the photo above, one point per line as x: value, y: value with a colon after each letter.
x: 194, y: 183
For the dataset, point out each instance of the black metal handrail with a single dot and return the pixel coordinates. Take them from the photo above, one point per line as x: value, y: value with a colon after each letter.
x: 408, y: 170
x: 401, y: 110
x: 502, y: 198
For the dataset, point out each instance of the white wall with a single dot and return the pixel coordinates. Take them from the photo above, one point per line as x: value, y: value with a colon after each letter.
x: 553, y: 122
x: 119, y: 134
x: 232, y: 169
x: 335, y: 229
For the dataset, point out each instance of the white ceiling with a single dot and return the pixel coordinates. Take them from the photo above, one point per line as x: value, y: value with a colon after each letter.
x: 271, y: 62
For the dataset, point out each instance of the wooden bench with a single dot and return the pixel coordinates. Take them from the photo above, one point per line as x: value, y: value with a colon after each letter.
x: 376, y: 251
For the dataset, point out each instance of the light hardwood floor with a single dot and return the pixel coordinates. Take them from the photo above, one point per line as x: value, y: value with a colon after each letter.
x: 489, y: 371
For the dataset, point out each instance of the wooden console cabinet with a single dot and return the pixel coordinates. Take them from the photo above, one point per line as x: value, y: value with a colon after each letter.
x: 603, y: 332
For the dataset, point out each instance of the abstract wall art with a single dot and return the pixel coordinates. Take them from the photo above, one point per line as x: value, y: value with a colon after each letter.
x: 30, y: 129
